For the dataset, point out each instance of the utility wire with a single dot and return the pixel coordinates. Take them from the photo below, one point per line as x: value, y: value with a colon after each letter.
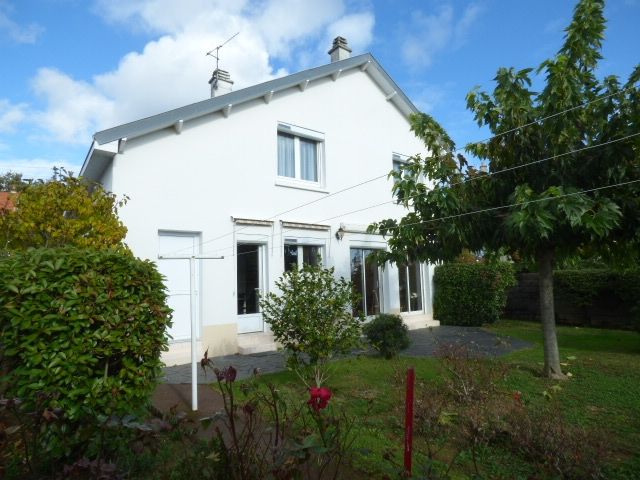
x: 288, y: 211
x: 562, y: 112
x: 517, y: 204
x: 470, y: 179
x: 484, y: 210
x: 539, y: 120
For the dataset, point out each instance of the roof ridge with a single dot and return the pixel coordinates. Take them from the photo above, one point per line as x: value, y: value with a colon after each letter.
x: 194, y: 110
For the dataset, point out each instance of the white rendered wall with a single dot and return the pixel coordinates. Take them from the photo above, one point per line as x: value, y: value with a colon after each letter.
x: 222, y: 167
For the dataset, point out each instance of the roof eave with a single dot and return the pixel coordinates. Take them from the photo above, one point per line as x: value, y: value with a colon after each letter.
x: 189, y: 112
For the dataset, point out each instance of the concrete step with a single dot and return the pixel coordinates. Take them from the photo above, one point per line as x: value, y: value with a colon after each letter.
x: 414, y: 322
x: 260, y: 348
x: 256, y: 343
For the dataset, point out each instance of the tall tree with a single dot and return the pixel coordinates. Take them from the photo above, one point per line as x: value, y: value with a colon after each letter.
x: 563, y: 171
x: 12, y: 182
x: 64, y: 210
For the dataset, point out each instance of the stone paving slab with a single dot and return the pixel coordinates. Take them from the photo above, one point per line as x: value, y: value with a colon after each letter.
x: 424, y: 343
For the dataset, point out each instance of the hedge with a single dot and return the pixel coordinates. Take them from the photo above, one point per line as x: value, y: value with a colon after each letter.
x: 82, y: 325
x: 471, y: 294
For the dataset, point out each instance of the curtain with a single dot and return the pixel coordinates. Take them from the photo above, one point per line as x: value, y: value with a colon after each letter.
x: 308, y: 160
x: 286, y: 157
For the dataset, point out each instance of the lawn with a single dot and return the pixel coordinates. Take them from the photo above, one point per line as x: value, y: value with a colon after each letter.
x: 602, y: 394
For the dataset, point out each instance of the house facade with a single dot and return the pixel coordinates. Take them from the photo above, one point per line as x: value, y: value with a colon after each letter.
x: 267, y: 177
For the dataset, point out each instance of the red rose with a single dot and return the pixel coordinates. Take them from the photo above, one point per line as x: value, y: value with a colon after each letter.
x: 320, y: 397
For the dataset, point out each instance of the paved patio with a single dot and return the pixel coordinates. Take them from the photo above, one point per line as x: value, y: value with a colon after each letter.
x: 424, y: 343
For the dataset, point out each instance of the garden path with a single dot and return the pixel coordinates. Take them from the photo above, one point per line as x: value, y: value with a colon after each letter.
x: 424, y: 343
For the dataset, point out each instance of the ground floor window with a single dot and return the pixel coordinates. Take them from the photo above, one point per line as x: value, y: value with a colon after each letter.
x: 295, y: 256
x: 249, y: 277
x: 365, y: 277
x: 410, y: 287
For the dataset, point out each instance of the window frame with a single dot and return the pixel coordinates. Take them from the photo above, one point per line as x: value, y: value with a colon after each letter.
x: 298, y: 134
x: 300, y: 252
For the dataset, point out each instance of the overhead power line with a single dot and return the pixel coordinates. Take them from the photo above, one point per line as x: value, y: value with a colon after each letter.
x: 351, y: 187
x: 517, y: 204
x: 488, y: 175
x: 483, y: 210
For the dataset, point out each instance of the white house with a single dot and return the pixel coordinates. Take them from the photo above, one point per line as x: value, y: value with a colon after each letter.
x: 267, y: 176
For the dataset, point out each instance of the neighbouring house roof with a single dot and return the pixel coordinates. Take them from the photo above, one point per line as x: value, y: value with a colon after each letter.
x: 7, y: 201
x: 97, y: 159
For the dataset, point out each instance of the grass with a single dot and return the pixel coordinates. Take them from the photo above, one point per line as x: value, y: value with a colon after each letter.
x: 603, y: 394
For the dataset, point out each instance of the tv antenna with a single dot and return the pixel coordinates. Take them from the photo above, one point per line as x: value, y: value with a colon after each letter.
x: 217, y: 49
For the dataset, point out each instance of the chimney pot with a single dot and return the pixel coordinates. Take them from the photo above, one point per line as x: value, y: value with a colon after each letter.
x: 339, y: 50
x: 220, y: 82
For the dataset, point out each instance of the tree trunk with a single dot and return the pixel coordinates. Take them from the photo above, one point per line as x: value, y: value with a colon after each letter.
x: 547, y: 315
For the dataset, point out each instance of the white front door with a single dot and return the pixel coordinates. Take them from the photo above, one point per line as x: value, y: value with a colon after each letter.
x: 176, y: 272
x: 250, y: 286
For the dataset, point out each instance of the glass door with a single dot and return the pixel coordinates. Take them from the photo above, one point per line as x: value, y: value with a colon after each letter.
x: 365, y: 276
x: 250, y: 284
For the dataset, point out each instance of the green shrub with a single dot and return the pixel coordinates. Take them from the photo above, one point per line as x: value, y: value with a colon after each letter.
x: 586, y: 288
x: 84, y: 326
x: 312, y: 314
x: 471, y: 294
x: 387, y: 334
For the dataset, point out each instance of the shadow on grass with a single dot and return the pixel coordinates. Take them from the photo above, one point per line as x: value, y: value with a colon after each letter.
x: 573, y: 338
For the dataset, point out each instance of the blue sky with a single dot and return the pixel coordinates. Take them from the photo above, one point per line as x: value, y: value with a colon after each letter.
x: 72, y: 67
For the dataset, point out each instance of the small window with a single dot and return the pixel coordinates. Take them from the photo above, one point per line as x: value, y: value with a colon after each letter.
x: 295, y: 256
x: 398, y: 161
x: 299, y: 153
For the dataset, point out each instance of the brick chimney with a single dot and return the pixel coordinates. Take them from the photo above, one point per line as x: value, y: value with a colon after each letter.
x: 339, y: 50
x: 220, y: 82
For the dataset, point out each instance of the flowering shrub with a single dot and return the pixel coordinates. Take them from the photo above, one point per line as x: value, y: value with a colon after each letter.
x: 261, y: 434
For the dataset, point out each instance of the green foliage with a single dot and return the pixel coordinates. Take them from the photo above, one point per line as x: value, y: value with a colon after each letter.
x: 563, y: 173
x: 12, y: 182
x: 312, y: 314
x: 471, y: 294
x: 65, y: 210
x: 387, y: 334
x: 543, y: 207
x: 84, y: 326
x: 583, y: 287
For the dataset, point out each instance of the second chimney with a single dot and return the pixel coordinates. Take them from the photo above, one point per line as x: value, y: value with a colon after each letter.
x: 221, y: 83
x: 339, y: 50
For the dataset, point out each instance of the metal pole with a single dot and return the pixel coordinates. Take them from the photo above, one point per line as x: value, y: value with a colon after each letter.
x: 408, y: 420
x: 194, y: 319
x: 194, y: 360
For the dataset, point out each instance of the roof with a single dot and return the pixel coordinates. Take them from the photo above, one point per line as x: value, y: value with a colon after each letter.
x: 7, y: 201
x: 175, y: 118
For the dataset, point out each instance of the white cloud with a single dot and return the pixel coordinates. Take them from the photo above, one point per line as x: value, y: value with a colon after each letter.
x: 74, y: 109
x: 36, y: 167
x: 428, y: 35
x: 16, y: 32
x: 427, y: 97
x: 11, y: 115
x: 172, y: 70
x: 283, y: 24
x: 357, y: 28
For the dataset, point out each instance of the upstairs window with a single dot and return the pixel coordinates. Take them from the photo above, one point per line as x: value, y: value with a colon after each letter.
x: 299, y: 154
x: 398, y: 161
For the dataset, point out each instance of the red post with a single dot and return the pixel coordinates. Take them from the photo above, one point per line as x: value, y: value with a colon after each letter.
x: 408, y: 419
